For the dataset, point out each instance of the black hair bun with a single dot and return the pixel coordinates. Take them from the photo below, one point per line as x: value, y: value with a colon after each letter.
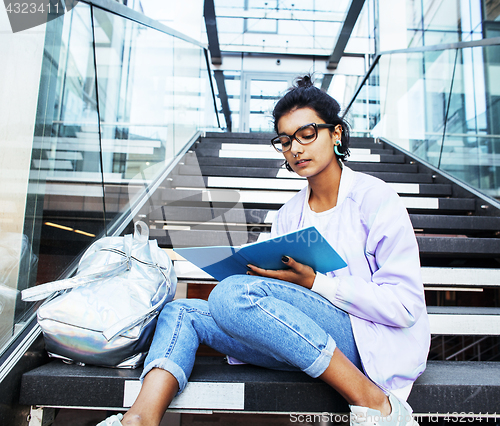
x: 305, y: 81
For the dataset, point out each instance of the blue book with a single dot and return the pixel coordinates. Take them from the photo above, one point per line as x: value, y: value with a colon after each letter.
x: 306, y: 246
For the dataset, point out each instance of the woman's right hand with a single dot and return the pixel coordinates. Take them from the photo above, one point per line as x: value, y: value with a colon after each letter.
x: 297, y: 273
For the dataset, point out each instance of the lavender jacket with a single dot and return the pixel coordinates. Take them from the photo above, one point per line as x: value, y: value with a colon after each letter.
x: 381, y: 288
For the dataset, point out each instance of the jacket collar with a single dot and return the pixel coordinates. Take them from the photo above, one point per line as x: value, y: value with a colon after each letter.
x: 346, y: 181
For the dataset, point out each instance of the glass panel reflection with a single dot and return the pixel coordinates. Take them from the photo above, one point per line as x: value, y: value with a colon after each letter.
x: 152, y: 95
x: 104, y: 132
x: 263, y: 96
x: 64, y: 199
x: 66, y: 185
x: 441, y: 106
x: 134, y: 69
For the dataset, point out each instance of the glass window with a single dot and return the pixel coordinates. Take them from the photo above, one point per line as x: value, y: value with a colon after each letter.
x: 492, y: 10
x: 261, y: 26
x: 66, y: 128
x: 104, y: 131
x: 230, y: 25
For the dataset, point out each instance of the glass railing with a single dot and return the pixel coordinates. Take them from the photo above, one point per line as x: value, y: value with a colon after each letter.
x: 120, y: 97
x: 440, y: 103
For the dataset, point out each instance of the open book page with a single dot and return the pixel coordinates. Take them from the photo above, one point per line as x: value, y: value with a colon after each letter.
x: 306, y: 246
x: 218, y: 261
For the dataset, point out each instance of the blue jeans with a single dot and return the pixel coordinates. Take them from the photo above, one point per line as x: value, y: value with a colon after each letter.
x: 260, y: 321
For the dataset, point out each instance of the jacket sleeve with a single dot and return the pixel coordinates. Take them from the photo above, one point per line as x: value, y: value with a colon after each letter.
x: 394, y: 295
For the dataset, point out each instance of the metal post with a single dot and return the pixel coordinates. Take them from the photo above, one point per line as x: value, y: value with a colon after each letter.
x: 41, y: 416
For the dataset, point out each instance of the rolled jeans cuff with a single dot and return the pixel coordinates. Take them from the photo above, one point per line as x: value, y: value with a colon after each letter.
x: 171, y: 367
x: 318, y: 367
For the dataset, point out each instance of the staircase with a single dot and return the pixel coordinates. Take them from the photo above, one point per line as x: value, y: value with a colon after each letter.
x: 229, y: 186
x: 226, y: 190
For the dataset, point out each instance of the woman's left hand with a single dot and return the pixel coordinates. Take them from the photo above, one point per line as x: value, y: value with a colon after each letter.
x: 297, y: 273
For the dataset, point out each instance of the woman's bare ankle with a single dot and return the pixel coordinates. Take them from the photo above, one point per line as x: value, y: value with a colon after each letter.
x: 131, y: 419
x: 380, y: 403
x: 385, y: 408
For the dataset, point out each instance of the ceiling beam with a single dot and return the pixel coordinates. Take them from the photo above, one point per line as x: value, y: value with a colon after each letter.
x: 213, y: 36
x: 345, y: 33
x: 221, y: 87
x: 325, y: 83
x: 281, y: 15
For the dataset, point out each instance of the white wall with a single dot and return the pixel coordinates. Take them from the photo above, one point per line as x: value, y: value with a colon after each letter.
x: 20, y: 70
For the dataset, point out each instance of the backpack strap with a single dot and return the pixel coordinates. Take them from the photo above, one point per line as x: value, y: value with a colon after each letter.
x: 132, y: 320
x: 40, y: 292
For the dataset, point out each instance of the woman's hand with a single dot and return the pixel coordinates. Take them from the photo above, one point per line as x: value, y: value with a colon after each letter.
x: 297, y: 273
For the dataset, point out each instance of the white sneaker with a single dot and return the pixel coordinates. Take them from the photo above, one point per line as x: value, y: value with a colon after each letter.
x: 400, y: 416
x: 114, y: 420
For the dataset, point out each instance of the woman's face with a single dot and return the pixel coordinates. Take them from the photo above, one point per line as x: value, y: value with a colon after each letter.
x: 311, y: 159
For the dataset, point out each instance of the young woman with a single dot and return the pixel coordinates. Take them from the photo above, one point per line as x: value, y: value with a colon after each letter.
x: 362, y: 329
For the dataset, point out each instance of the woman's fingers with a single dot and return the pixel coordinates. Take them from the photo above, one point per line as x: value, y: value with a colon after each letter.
x: 297, y: 273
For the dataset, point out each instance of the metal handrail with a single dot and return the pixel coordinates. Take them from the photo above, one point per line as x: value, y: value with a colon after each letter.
x: 481, y: 195
x: 494, y: 41
x: 450, y: 46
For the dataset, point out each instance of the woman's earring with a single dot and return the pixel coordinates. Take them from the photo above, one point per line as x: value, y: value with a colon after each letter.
x: 335, y: 148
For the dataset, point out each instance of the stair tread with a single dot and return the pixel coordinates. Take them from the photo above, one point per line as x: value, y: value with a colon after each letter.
x: 240, y: 170
x: 192, y: 160
x: 291, y: 184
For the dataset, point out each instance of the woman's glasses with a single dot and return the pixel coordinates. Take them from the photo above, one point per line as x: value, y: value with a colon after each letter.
x: 303, y: 135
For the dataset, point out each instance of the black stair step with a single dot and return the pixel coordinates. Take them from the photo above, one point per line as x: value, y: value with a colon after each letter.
x: 211, y: 147
x: 387, y: 158
x: 258, y: 140
x: 202, y: 151
x: 444, y: 387
x: 436, y: 189
x: 203, y: 182
x: 457, y: 246
x: 429, y: 223
x: 207, y: 214
x: 368, y: 143
x: 202, y: 238
x: 424, y: 205
x: 269, y: 136
x: 428, y: 246
x: 221, y: 198
x: 195, y: 195
x: 191, y: 159
x: 236, y: 135
x: 401, y: 177
x: 383, y: 167
x: 263, y: 138
x: 364, y: 140
x: 457, y: 204
x: 237, y: 170
x: 240, y: 170
x: 209, y: 151
x: 228, y: 198
x: 455, y: 224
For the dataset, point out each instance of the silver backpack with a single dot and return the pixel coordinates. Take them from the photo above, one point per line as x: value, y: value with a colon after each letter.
x: 106, y: 314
